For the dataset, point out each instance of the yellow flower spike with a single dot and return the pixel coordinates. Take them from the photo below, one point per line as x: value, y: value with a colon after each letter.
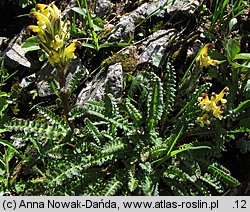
x: 69, y: 51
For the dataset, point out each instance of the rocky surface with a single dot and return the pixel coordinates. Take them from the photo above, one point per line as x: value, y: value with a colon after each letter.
x: 111, y: 80
x: 152, y: 47
x: 155, y: 45
x: 40, y: 78
x: 15, y: 57
x: 126, y: 25
x: 2, y: 40
x: 103, y: 8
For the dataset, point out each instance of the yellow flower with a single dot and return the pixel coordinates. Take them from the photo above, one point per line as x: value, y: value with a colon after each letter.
x: 65, y: 29
x: 44, y: 9
x: 38, y: 30
x: 211, y: 106
x: 34, y: 28
x: 205, y: 103
x: 56, y: 11
x: 221, y: 95
x: 43, y: 21
x: 203, y: 60
x: 203, y: 120
x: 217, y: 112
x: 56, y: 43
x: 54, y: 57
x: 69, y: 51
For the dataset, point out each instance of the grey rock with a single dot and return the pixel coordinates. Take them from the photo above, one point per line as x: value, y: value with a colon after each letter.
x: 26, y: 81
x: 185, y: 7
x: 123, y: 30
x: 14, y: 56
x: 103, y: 8
x: 95, y: 89
x: 126, y: 25
x: 158, y: 7
x: 139, y: 13
x: 193, y: 50
x: 40, y: 78
x: 155, y: 45
x: 2, y: 40
x: 42, y: 83
x: 171, y: 6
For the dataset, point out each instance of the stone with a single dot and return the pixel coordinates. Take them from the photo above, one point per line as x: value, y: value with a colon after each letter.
x: 139, y: 13
x: 40, y: 78
x: 103, y: 8
x: 123, y: 30
x: 26, y: 81
x: 15, y: 57
x: 194, y: 49
x: 111, y: 81
x: 2, y: 40
x: 158, y: 7
x: 41, y: 82
x: 185, y: 7
x: 126, y: 25
x: 155, y: 45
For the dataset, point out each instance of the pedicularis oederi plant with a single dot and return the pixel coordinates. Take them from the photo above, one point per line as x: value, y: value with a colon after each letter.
x: 54, y: 37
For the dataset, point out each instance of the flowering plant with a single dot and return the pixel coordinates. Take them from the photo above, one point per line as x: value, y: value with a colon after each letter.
x: 53, y: 34
x: 214, y: 105
x: 54, y: 39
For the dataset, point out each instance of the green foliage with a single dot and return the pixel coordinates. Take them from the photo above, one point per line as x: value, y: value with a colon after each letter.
x: 92, y: 25
x: 123, y: 144
x: 31, y: 44
x: 6, y: 98
x: 234, y: 55
x: 26, y: 3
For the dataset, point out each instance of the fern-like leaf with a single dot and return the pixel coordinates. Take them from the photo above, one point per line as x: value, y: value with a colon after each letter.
x: 76, y: 79
x: 94, y: 131
x: 134, y: 114
x: 213, y: 182
x: 52, y: 117
x: 37, y: 129
x: 154, y: 103
x: 111, y: 187
x: 169, y: 89
x: 113, y: 146
x: 223, y: 174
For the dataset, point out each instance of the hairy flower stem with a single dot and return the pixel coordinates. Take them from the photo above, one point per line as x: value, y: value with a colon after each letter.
x: 64, y: 95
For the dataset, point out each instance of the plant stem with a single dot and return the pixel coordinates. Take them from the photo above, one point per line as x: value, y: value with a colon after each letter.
x: 64, y: 96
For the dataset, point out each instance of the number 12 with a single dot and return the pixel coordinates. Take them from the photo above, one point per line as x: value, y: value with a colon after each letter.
x: 241, y: 203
